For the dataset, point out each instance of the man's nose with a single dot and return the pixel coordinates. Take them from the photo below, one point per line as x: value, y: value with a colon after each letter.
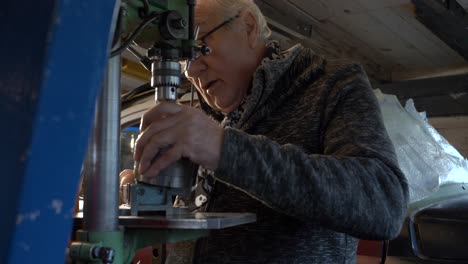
x: 197, y: 67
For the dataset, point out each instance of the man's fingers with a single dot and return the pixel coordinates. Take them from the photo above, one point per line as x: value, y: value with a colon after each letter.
x: 158, y: 143
x: 158, y: 112
x: 151, y: 131
x: 163, y: 161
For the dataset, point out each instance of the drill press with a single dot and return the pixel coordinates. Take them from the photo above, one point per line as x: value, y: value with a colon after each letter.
x: 174, y: 42
x: 166, y: 28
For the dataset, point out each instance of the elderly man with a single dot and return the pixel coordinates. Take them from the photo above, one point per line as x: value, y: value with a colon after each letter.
x: 292, y: 137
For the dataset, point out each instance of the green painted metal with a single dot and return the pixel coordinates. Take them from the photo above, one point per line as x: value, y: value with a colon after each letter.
x: 83, y: 251
x: 114, y: 240
x: 125, y: 243
x: 147, y: 237
x: 131, y: 18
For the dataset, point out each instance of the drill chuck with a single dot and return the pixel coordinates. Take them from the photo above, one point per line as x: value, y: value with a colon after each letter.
x: 165, y: 79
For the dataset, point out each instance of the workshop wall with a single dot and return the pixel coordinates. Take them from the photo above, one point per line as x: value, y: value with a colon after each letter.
x: 455, y: 130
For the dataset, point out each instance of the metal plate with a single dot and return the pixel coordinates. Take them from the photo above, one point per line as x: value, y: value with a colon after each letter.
x: 183, y: 221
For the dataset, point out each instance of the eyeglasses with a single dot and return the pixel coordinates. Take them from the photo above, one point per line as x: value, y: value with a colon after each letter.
x: 204, y: 49
x: 218, y: 27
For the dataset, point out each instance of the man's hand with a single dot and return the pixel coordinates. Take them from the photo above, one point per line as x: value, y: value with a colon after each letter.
x: 170, y: 132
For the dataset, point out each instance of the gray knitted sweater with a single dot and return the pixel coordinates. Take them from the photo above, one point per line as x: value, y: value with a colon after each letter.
x: 312, y: 159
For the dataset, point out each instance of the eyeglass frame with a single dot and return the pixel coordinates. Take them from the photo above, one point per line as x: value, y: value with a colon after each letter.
x: 204, y: 49
x: 218, y: 27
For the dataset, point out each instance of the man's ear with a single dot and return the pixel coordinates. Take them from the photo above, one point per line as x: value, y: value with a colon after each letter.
x: 252, y: 29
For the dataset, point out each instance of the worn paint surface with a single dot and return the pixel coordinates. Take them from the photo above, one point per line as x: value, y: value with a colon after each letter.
x: 75, y: 53
x: 21, y: 50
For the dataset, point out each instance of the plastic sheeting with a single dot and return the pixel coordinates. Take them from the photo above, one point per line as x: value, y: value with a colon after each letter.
x: 426, y: 157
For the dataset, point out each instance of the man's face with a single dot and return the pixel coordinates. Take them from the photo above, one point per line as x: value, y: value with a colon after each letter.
x: 224, y: 76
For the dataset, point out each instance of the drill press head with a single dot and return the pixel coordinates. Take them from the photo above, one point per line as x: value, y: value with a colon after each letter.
x: 170, y: 39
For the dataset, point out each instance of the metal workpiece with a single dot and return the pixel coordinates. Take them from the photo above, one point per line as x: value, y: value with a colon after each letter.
x: 178, y: 175
x: 155, y: 194
x: 101, y: 167
x: 146, y: 198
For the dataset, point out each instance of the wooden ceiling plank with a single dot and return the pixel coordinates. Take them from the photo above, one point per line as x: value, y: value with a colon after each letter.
x: 442, y: 105
x: 443, y: 96
x: 458, y: 137
x: 429, y: 87
x: 355, y: 28
x: 463, y: 3
x: 417, y: 42
x: 407, y: 13
x: 424, y: 74
x: 338, y: 43
x: 333, y: 42
x: 373, y: 32
x: 342, y: 38
x: 453, y: 122
x: 340, y: 7
x: 314, y: 8
x: 433, y: 46
x: 377, y: 4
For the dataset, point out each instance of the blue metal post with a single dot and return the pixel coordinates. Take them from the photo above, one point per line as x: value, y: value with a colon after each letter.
x: 54, y: 55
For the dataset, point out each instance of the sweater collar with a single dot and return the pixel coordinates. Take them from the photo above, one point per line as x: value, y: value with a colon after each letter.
x: 278, y: 75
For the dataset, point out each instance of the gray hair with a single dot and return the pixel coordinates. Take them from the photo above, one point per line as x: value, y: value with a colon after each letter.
x: 230, y: 8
